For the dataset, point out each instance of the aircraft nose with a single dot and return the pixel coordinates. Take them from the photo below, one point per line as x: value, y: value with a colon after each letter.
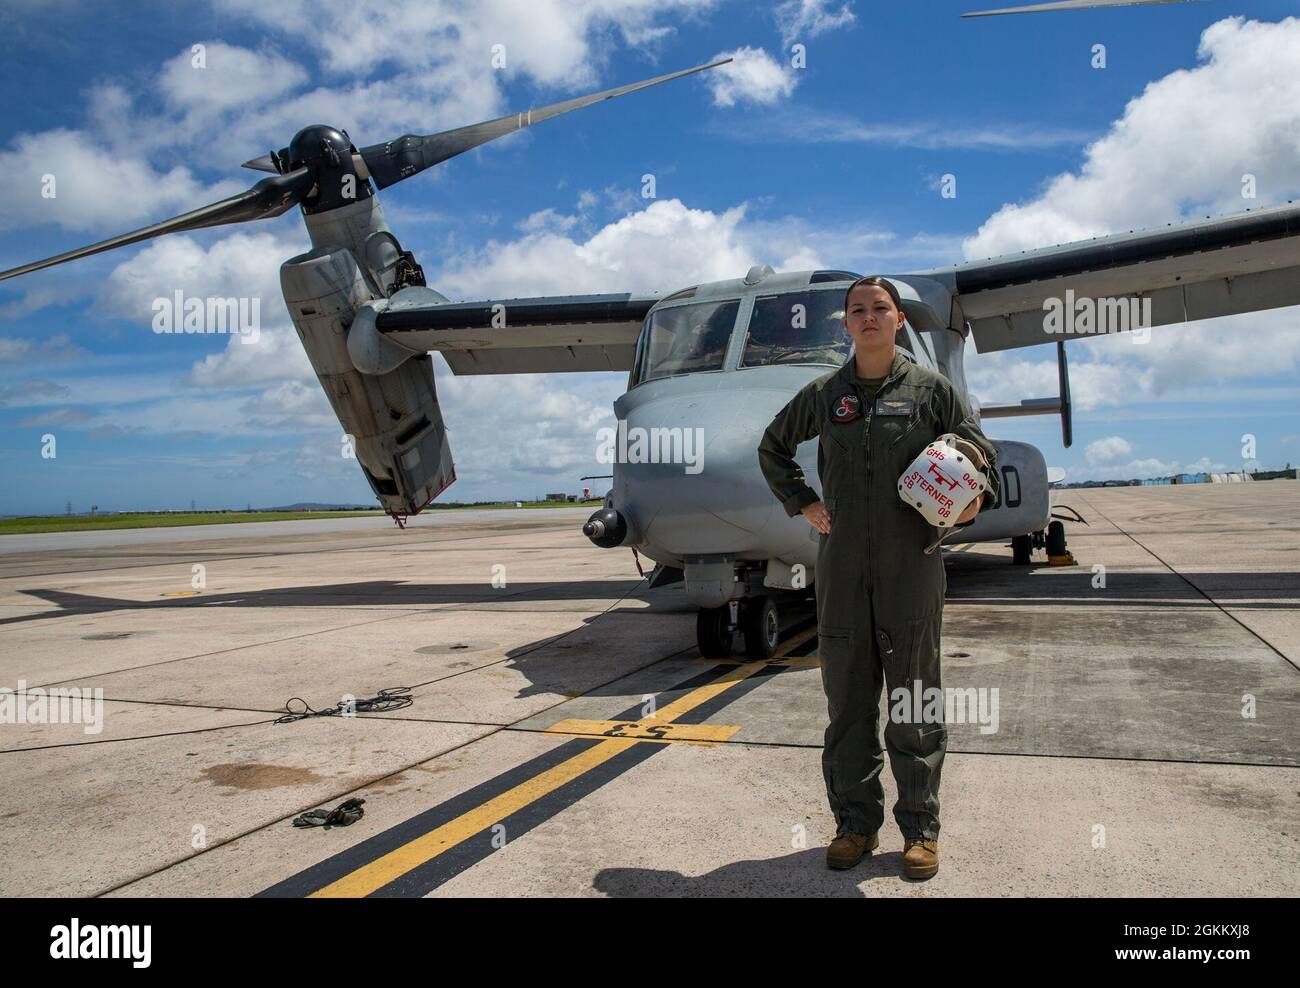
x: 691, y: 476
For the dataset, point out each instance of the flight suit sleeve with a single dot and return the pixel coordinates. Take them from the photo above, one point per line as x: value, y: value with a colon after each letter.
x: 956, y: 417
x: 794, y: 424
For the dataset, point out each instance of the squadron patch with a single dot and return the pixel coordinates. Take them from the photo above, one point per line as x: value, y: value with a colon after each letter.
x: 846, y: 408
x: 894, y: 406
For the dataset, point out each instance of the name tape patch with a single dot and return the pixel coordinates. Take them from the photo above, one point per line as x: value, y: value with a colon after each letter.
x: 895, y: 406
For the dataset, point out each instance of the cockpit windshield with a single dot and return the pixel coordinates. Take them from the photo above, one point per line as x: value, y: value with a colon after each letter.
x: 684, y: 339
x: 797, y: 328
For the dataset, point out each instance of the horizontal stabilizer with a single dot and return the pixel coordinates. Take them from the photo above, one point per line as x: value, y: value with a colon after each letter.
x: 1043, y: 406
x: 1028, y: 406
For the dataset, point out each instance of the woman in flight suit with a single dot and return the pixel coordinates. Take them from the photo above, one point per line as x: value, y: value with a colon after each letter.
x: 879, y: 593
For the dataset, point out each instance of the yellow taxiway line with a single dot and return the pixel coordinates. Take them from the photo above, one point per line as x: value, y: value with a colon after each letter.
x: 391, y: 866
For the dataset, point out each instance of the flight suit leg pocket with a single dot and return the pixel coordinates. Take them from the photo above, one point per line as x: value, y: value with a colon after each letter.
x: 923, y: 661
x: 916, y: 735
x: 851, y: 755
x: 909, y: 651
x: 916, y: 730
x: 835, y: 657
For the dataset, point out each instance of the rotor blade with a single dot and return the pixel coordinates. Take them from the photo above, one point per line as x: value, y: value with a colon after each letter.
x: 1067, y: 5
x: 269, y: 197
x: 409, y: 155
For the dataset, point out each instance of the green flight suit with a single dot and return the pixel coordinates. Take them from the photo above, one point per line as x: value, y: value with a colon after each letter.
x: 879, y: 596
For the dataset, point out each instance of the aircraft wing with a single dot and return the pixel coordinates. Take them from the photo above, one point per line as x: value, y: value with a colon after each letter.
x: 1240, y: 263
x: 521, y: 335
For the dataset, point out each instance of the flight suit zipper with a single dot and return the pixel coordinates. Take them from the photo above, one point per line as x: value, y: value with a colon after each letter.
x: 866, y: 447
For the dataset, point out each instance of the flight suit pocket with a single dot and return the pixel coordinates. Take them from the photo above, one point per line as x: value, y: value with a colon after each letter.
x: 835, y: 657
x: 834, y: 440
x: 909, y: 651
x: 903, y: 431
x: 897, y: 416
x: 901, y: 440
x: 909, y: 444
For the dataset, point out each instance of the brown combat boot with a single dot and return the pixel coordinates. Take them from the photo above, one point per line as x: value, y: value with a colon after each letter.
x: 847, y: 849
x: 921, y: 857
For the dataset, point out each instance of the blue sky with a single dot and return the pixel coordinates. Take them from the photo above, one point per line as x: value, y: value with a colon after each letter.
x: 836, y: 164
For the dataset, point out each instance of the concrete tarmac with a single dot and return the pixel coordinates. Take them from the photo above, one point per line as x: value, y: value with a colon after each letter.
x: 1139, y: 734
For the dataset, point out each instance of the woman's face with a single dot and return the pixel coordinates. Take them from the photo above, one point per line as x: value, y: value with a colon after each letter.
x: 872, y: 319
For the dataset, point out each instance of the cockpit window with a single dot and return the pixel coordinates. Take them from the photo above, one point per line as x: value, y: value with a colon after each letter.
x: 797, y: 328
x: 684, y: 339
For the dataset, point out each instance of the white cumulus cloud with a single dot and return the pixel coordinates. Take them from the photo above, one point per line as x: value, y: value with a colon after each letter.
x: 1108, y: 450
x: 800, y: 20
x: 753, y: 76
x: 664, y: 246
x: 65, y: 178
x: 1181, y: 150
x: 241, y: 265
x: 220, y: 76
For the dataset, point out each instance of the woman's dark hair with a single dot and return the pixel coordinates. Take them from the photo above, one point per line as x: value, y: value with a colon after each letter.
x: 877, y: 282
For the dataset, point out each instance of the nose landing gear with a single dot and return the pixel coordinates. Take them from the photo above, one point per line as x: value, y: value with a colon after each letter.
x: 714, y: 630
x: 756, y: 619
x: 1052, y: 539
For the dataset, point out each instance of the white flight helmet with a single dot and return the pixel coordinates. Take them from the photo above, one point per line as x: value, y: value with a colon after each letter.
x: 943, y: 481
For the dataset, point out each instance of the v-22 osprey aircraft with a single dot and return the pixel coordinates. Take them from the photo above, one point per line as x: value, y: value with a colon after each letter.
x: 722, y: 357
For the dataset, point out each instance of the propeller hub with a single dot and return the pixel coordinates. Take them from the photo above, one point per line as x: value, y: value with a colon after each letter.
x: 328, y: 152
x: 318, y: 144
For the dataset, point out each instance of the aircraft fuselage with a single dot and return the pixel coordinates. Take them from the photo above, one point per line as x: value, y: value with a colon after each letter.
x: 713, y: 366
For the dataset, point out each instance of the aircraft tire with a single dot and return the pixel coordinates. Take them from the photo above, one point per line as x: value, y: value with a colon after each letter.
x: 713, y: 632
x: 1022, y: 548
x: 1056, y: 539
x: 762, y: 627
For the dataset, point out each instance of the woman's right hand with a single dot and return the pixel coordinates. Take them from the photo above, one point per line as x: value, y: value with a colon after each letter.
x: 818, y: 517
